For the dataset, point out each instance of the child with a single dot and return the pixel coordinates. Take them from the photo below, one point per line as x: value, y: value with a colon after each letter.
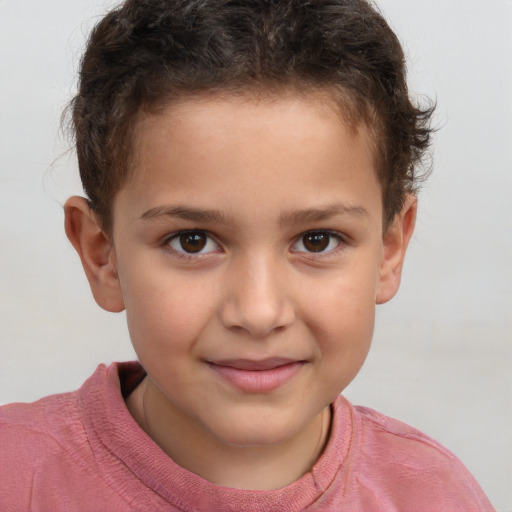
x: 250, y: 174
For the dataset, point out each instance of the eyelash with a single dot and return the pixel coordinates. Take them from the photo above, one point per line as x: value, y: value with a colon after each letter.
x: 189, y: 255
x: 339, y: 239
x: 332, y: 235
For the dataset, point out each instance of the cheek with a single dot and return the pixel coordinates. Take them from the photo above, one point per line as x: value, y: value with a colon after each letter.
x: 342, y: 318
x: 166, y: 314
x: 345, y: 300
x: 345, y: 331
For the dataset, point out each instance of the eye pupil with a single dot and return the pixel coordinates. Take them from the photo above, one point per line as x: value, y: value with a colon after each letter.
x: 193, y: 242
x: 316, y: 242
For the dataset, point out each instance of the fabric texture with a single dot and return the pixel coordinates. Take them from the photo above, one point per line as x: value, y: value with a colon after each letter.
x: 82, y: 451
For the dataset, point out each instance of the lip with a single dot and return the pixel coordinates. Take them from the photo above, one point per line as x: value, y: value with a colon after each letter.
x: 257, y: 376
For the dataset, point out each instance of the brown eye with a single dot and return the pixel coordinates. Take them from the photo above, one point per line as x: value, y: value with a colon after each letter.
x: 316, y: 242
x: 193, y: 242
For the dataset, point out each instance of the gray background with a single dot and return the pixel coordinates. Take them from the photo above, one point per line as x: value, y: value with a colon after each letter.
x: 442, y: 354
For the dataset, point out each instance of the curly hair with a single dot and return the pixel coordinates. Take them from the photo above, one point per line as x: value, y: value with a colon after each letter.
x: 146, y: 54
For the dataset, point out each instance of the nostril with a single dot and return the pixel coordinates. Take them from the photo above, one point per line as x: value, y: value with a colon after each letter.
x: 257, y: 321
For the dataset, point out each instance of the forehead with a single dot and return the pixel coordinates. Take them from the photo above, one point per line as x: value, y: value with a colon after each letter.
x: 261, y: 104
x: 266, y: 150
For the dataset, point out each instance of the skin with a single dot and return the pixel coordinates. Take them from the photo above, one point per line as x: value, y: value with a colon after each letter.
x: 271, y: 170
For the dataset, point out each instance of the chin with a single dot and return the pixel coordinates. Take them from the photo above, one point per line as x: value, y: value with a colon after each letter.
x: 251, y: 434
x: 259, y: 439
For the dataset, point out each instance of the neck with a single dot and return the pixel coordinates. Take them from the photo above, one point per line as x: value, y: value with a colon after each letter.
x: 242, y: 467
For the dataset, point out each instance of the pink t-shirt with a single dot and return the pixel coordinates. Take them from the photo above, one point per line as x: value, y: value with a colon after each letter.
x: 83, y: 451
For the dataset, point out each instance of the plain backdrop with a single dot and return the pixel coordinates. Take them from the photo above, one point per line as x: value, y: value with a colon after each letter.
x: 442, y: 353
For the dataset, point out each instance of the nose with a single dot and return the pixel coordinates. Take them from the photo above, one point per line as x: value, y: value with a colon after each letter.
x: 256, y: 300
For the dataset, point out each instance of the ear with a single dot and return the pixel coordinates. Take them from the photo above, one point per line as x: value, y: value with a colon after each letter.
x: 96, y: 252
x: 395, y: 242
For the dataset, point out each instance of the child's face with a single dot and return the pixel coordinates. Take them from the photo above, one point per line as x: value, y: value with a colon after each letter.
x: 250, y: 256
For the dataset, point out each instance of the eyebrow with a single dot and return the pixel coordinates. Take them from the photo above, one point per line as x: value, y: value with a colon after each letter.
x: 286, y: 219
x: 322, y: 213
x: 187, y: 213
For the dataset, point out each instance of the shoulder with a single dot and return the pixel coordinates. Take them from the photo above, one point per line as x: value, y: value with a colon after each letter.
x: 33, y: 439
x: 52, y: 424
x: 45, y: 451
x: 408, y: 467
x: 29, y: 429
x: 392, y: 434
x: 396, y: 442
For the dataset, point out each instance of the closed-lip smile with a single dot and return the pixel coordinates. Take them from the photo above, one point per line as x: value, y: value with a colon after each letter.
x: 257, y: 375
x: 255, y: 364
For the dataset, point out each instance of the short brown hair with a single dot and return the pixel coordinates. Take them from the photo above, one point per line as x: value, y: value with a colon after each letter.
x: 148, y: 53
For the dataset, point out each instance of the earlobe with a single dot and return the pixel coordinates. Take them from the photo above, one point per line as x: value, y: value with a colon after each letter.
x: 395, y: 242
x: 96, y: 253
